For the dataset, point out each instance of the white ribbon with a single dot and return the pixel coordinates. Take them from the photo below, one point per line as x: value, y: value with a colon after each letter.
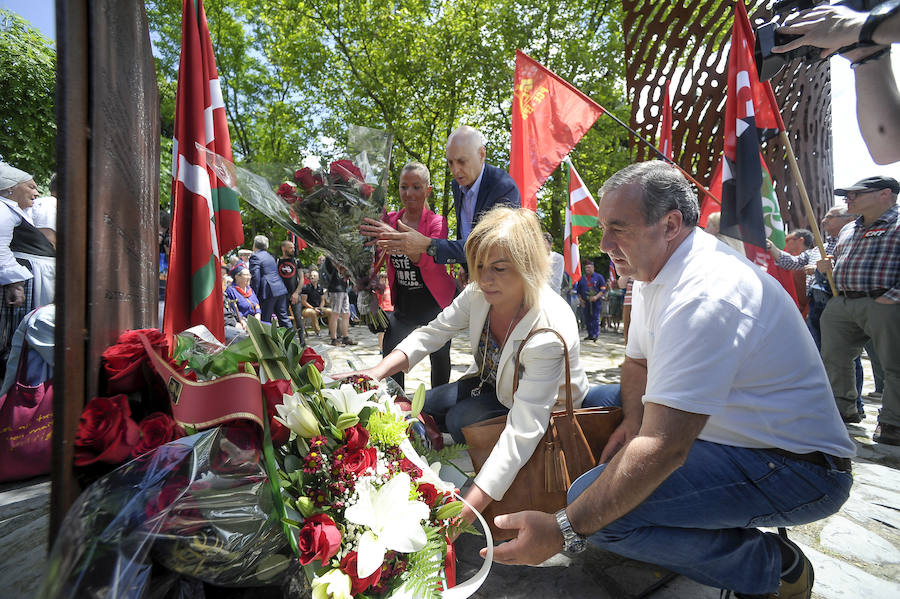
x: 468, y: 588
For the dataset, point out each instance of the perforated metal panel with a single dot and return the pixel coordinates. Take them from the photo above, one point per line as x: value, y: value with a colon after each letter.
x: 687, y: 41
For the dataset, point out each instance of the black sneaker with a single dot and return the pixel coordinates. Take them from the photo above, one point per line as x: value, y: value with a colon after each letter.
x: 348, y: 341
x: 887, y: 434
x: 336, y: 342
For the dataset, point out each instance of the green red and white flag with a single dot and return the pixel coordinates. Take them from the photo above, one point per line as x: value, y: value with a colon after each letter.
x: 581, y: 216
x: 206, y: 220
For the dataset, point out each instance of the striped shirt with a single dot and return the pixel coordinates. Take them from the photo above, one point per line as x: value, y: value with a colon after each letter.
x: 867, y: 257
x: 798, y: 262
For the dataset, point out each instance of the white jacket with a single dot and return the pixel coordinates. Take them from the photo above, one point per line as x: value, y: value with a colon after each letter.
x: 542, y: 377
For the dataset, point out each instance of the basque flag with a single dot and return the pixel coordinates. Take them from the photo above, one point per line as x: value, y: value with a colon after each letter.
x: 206, y: 220
x: 549, y: 116
x: 581, y: 216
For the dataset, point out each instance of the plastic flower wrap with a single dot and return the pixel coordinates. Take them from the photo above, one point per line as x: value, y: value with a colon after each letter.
x: 325, y: 206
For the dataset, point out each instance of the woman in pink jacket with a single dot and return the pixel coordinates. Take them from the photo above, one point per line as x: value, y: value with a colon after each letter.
x: 420, y: 288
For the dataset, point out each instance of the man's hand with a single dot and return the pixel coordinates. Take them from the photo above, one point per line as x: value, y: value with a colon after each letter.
x: 773, y: 251
x: 828, y: 27
x: 825, y: 266
x: 405, y: 240
x: 625, y: 432
x: 14, y: 294
x: 809, y: 269
x: 539, y: 539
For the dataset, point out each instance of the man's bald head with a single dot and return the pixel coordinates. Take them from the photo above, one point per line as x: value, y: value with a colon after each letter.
x: 465, y: 154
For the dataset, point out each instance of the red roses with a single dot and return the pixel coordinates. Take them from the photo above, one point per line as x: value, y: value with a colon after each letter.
x: 156, y: 429
x: 358, y: 585
x: 123, y: 362
x: 307, y: 179
x: 286, y: 191
x: 357, y: 462
x: 106, y: 432
x: 346, y: 171
x: 319, y: 539
x: 309, y: 355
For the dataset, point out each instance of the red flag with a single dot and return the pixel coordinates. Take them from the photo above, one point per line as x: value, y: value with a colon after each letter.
x: 549, y: 116
x: 205, y: 216
x: 750, y: 115
x: 710, y: 204
x: 665, y: 126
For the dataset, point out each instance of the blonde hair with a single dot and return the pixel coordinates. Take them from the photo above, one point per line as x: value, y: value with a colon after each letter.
x: 517, y: 233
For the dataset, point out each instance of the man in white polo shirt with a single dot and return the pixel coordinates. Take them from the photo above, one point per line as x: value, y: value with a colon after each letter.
x: 729, y: 423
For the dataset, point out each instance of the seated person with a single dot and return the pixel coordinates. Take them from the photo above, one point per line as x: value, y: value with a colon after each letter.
x: 241, y: 292
x: 507, y: 298
x: 312, y: 298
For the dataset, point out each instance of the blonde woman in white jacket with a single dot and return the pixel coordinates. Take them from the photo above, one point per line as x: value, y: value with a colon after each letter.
x: 507, y: 298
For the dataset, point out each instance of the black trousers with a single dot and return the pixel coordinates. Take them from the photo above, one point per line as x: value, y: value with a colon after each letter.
x: 398, y: 330
x: 277, y: 305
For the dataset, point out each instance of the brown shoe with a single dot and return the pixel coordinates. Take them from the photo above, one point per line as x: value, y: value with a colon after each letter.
x: 801, y: 588
x: 887, y: 434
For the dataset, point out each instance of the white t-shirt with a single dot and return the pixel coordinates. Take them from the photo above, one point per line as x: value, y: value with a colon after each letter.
x: 43, y: 213
x: 723, y: 338
x: 557, y: 264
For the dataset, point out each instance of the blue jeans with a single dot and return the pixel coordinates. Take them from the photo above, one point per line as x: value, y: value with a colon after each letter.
x: 453, y: 406
x: 701, y: 521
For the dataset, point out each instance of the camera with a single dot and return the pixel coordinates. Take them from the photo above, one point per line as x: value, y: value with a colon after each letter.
x: 768, y: 64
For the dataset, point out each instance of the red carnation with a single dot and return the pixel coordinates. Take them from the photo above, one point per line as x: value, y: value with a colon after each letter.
x: 319, y: 539
x: 429, y: 494
x: 358, y: 585
x: 345, y: 170
x: 358, y: 462
x: 309, y: 355
x: 156, y: 429
x: 106, y: 432
x: 355, y: 438
x: 410, y: 468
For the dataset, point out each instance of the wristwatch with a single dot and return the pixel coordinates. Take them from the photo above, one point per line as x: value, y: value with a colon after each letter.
x: 572, y: 541
x: 432, y: 248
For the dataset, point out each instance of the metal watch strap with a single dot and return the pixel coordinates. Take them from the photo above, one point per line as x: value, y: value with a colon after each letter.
x: 875, y: 18
x: 432, y: 248
x: 572, y: 541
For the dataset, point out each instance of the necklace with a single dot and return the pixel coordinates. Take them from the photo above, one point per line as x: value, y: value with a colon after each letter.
x: 487, y: 341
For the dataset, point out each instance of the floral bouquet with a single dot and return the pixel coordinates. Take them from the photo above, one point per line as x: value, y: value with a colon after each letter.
x: 356, y: 511
x: 326, y: 206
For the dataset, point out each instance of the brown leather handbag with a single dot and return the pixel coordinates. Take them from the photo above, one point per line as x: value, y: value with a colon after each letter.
x: 571, y: 446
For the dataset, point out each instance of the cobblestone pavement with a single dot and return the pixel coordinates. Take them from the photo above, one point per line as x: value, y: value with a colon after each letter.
x: 855, y: 553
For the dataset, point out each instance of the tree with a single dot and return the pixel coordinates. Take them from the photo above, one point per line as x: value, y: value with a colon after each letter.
x: 297, y: 73
x: 27, y: 104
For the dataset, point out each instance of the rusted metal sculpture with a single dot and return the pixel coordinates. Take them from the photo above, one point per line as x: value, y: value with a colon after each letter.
x: 687, y: 42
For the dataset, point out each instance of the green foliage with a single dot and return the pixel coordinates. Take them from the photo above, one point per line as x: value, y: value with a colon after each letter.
x: 296, y: 73
x: 27, y: 104
x: 421, y: 578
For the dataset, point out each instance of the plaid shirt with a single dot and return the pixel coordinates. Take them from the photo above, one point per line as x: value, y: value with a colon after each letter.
x: 798, y: 262
x: 868, y: 257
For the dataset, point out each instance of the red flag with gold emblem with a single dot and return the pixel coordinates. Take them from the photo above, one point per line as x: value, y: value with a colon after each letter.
x: 549, y: 116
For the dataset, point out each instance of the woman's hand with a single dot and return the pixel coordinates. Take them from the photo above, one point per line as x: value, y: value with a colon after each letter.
x: 479, y: 500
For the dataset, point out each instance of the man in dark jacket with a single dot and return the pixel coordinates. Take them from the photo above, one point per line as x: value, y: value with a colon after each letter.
x: 477, y: 187
x: 266, y: 282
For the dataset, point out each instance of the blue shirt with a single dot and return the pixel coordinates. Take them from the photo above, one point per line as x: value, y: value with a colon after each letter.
x: 469, y: 199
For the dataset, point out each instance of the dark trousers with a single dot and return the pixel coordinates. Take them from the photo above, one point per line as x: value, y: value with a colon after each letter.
x: 296, y: 310
x: 275, y: 305
x: 398, y: 329
x: 454, y: 408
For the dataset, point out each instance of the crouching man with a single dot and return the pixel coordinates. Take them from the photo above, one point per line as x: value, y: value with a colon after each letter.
x: 729, y: 422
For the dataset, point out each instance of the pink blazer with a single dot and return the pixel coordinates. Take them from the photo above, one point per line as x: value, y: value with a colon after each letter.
x: 437, y: 279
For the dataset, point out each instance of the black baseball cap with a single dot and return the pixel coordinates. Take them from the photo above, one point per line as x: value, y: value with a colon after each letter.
x: 871, y: 184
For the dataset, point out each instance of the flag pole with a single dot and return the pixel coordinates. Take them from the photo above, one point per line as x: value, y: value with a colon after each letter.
x: 807, y: 206
x: 662, y: 156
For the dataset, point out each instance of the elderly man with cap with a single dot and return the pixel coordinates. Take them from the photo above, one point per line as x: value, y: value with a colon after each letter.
x: 867, y: 306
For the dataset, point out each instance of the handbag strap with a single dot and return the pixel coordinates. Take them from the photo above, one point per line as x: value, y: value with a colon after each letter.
x: 570, y: 405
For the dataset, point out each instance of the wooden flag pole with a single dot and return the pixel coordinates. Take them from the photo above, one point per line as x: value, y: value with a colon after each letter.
x: 662, y: 156
x: 807, y: 206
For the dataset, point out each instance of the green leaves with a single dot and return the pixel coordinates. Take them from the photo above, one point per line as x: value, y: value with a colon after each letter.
x: 27, y: 104
x: 418, y: 401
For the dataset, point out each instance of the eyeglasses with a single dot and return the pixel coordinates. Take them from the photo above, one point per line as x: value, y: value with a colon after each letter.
x: 852, y: 195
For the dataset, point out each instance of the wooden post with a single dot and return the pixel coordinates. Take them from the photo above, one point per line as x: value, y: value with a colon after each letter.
x: 108, y: 163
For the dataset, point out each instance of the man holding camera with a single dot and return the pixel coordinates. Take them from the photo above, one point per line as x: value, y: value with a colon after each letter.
x: 864, y: 38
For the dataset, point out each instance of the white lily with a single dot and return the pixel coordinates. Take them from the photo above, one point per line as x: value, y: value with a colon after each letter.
x: 297, y: 416
x: 394, y: 522
x: 334, y: 584
x: 347, y: 401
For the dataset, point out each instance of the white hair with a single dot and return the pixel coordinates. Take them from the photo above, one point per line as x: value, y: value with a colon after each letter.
x: 261, y: 242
